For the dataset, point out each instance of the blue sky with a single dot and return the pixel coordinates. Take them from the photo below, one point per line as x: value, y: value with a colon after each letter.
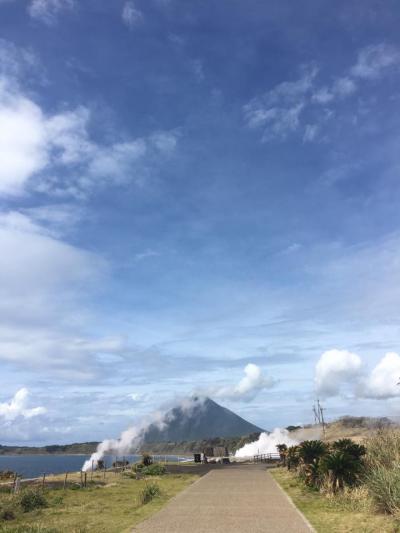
x: 187, y: 188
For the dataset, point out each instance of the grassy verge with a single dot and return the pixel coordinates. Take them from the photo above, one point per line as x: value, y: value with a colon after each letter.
x: 112, y: 508
x: 334, y: 515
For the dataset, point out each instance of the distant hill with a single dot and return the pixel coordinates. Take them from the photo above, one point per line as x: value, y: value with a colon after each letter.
x: 357, y: 428
x: 205, y: 419
x: 78, y: 448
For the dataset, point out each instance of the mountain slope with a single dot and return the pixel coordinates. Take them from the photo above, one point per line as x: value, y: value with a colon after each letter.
x: 204, y: 419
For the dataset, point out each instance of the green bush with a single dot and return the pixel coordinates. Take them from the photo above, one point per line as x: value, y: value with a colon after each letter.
x: 155, y: 469
x: 150, y: 491
x: 32, y: 499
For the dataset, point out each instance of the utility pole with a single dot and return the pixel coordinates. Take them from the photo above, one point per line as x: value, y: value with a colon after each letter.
x: 321, y: 417
x: 316, y: 415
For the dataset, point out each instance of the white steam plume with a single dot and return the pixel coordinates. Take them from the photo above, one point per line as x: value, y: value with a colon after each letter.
x: 266, y: 443
x: 132, y: 438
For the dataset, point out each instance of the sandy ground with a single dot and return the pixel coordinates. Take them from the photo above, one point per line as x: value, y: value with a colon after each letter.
x: 237, y: 498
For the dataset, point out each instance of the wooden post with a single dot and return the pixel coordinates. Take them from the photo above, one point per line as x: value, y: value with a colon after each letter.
x: 81, y: 479
x: 91, y: 473
x: 14, y: 481
x: 85, y: 479
x: 43, y: 480
x: 17, y: 485
x: 65, y: 480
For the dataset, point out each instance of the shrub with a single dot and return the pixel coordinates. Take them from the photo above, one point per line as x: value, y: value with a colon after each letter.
x: 150, y: 491
x: 32, y: 499
x: 154, y: 470
x: 147, y: 459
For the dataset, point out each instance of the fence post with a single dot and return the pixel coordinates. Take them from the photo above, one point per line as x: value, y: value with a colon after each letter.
x: 43, y: 480
x: 65, y: 480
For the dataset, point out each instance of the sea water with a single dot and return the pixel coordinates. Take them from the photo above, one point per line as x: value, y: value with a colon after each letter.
x: 29, y: 466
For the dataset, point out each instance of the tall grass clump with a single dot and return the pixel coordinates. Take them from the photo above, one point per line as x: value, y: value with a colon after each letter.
x: 383, y: 470
x: 148, y: 493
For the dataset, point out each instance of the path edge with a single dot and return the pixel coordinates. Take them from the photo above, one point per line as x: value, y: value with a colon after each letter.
x: 170, y: 500
x: 289, y: 499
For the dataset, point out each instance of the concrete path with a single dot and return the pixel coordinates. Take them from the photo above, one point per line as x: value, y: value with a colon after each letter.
x: 235, y: 499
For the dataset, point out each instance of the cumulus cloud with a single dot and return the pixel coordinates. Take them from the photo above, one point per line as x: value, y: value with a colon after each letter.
x: 18, y: 407
x: 334, y: 369
x: 383, y: 381
x: 248, y: 387
x: 131, y: 15
x: 47, y: 11
x: 339, y: 371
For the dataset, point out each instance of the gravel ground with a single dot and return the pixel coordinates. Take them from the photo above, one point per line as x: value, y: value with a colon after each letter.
x: 242, y: 499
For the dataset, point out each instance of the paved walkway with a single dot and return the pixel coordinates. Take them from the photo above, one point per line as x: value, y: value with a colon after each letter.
x: 235, y: 499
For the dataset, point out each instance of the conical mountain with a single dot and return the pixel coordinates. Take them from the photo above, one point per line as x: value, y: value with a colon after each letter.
x: 201, y: 418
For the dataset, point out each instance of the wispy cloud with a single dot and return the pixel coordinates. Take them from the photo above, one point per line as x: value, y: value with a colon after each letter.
x: 374, y: 60
x: 47, y: 11
x: 131, y: 15
x: 286, y: 108
x: 278, y: 111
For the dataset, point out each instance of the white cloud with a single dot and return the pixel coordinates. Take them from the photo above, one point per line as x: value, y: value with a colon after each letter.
x: 374, y: 60
x: 334, y: 369
x: 383, y: 381
x: 340, y: 371
x: 248, y: 387
x: 279, y: 109
x: 18, y: 407
x: 43, y: 282
x: 131, y: 15
x: 47, y: 11
x: 344, y: 86
x: 310, y: 132
x: 55, y: 154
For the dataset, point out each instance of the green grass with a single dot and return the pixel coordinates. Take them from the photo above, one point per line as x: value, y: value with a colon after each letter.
x: 112, y: 508
x: 345, y: 514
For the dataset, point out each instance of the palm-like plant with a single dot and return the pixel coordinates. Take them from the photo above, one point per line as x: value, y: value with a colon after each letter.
x: 282, y: 449
x: 340, y: 468
x: 292, y: 457
x: 357, y: 451
x: 310, y: 451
